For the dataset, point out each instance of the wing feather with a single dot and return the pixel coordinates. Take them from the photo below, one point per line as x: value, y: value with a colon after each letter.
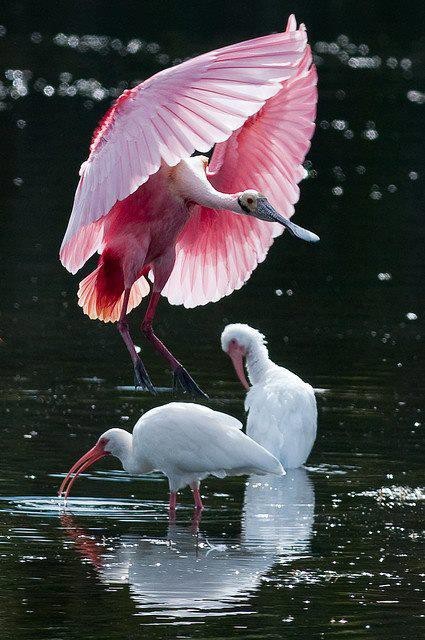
x: 185, y: 108
x: 203, y: 441
x: 218, y: 250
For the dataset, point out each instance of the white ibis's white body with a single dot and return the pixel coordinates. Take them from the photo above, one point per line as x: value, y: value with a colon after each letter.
x: 187, y: 442
x: 282, y: 410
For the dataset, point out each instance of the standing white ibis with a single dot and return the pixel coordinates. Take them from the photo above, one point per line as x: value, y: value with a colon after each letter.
x: 186, y: 442
x: 282, y: 410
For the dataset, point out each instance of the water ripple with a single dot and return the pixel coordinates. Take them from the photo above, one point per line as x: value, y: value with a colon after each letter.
x: 120, y: 509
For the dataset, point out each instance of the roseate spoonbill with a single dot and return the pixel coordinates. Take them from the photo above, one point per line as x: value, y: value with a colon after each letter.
x: 282, y: 411
x: 196, y: 228
x: 186, y: 442
x: 276, y: 527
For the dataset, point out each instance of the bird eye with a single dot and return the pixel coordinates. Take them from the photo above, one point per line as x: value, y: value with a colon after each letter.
x: 249, y: 200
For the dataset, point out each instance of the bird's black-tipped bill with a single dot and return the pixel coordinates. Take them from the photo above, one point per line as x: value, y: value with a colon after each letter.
x: 265, y: 211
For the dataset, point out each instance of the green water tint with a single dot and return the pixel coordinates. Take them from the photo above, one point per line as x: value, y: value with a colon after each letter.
x: 334, y: 550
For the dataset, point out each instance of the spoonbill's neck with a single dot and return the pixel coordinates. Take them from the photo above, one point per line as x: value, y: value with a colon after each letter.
x: 258, y: 362
x: 191, y: 183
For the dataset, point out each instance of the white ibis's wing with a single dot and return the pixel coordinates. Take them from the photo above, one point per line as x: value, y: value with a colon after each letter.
x: 185, y: 108
x: 218, y: 250
x: 202, y: 440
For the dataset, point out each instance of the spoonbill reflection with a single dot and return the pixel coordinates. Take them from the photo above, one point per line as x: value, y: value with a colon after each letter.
x: 196, y: 227
x: 188, y: 576
x: 282, y: 410
x: 186, y: 442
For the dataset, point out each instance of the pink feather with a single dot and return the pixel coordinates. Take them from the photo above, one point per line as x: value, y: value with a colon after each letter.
x: 266, y: 154
x: 256, y: 102
x: 188, y: 107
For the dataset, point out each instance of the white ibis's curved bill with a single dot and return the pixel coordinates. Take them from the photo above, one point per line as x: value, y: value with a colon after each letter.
x: 96, y: 453
x: 237, y: 356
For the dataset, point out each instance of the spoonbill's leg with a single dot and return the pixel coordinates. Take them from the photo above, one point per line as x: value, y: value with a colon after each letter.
x: 141, y: 377
x: 197, y: 496
x: 182, y: 379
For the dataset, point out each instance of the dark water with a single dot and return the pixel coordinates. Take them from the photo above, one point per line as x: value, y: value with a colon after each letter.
x: 334, y: 550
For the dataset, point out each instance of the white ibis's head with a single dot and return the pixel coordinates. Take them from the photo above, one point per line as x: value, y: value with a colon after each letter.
x: 255, y: 204
x: 239, y: 341
x: 114, y: 442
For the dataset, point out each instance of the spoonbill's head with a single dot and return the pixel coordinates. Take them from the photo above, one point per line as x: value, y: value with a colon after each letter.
x: 115, y: 442
x: 239, y: 341
x: 255, y: 204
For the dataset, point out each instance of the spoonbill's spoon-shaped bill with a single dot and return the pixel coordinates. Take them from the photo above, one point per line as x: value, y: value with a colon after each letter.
x: 265, y: 211
x: 196, y: 229
x: 186, y: 442
x: 282, y: 410
x: 257, y: 205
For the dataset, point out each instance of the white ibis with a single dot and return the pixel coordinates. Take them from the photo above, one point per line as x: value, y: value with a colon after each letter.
x: 186, y: 442
x: 282, y: 410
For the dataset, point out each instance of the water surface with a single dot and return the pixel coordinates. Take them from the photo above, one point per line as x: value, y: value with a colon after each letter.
x: 332, y: 550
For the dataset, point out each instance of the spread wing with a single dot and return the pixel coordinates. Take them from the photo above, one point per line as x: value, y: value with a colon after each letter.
x: 218, y: 250
x: 188, y: 107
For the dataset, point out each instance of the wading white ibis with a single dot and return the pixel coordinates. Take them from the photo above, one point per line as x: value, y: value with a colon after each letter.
x: 186, y: 442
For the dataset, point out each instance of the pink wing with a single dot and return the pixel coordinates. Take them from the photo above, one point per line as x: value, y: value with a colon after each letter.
x: 182, y: 109
x: 218, y: 250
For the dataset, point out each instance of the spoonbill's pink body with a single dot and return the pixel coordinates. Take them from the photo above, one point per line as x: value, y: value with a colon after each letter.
x: 186, y: 442
x: 196, y: 228
x: 282, y: 410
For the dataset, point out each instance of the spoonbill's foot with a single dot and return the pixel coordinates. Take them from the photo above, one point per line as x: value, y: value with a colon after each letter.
x: 183, y: 381
x: 141, y: 377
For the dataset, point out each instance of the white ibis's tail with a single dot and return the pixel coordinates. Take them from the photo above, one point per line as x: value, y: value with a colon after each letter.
x: 269, y: 464
x: 101, y: 293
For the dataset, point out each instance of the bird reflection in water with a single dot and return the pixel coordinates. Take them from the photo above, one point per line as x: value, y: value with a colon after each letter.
x: 188, y: 573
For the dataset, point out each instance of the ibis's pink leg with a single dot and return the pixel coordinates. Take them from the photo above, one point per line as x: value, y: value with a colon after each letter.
x: 141, y: 376
x: 173, y: 501
x: 182, y: 378
x: 197, y: 496
x: 196, y: 521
